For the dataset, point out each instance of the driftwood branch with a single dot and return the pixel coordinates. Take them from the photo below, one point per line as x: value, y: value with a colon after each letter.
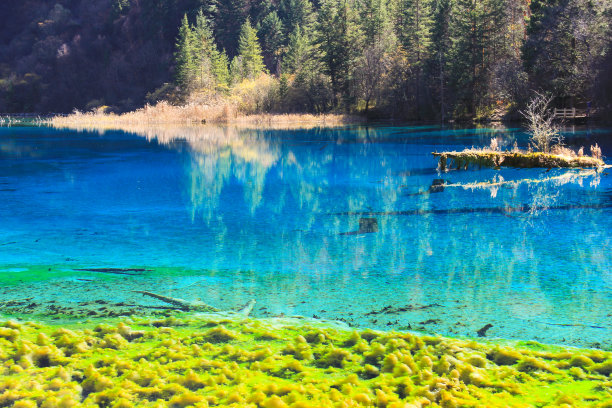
x: 195, y: 306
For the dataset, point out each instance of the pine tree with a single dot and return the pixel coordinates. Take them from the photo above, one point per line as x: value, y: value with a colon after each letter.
x: 294, y: 13
x: 229, y: 18
x: 467, y: 56
x: 300, y: 56
x: 439, y: 54
x: 259, y: 10
x: 220, y: 69
x: 415, y: 37
x: 203, y: 50
x: 271, y: 31
x: 249, y: 52
x: 416, y: 29
x: 340, y: 42
x: 236, y: 71
x: 375, y: 21
x: 186, y: 66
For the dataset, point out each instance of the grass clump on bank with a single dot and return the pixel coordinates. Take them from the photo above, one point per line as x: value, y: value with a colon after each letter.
x: 216, y: 361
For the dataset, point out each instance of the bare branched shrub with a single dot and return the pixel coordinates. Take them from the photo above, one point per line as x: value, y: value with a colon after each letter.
x: 596, y: 151
x: 494, y: 145
x: 544, y: 132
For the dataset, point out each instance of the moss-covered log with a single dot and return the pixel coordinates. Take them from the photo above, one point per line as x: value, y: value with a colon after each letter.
x: 495, y: 159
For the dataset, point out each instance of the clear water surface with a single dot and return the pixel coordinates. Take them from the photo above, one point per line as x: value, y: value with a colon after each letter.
x: 227, y: 215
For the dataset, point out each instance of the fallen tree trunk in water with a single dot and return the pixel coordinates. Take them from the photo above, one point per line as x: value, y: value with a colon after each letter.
x: 495, y: 159
x: 195, y: 306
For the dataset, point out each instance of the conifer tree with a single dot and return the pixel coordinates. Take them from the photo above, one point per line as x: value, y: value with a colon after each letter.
x: 300, y: 57
x: 220, y: 69
x: 416, y: 40
x: 340, y: 42
x: 203, y: 50
x: 249, y: 52
x: 229, y: 18
x: 439, y: 55
x: 467, y: 63
x: 416, y: 28
x: 375, y: 21
x: 271, y: 32
x: 186, y: 66
x: 258, y: 10
x: 295, y: 13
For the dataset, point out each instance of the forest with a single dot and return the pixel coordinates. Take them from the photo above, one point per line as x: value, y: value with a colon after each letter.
x: 408, y: 60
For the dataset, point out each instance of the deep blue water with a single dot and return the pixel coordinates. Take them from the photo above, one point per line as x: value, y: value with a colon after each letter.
x: 227, y: 215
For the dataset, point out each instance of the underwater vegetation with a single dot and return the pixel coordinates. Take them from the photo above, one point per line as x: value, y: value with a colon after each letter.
x: 203, y: 361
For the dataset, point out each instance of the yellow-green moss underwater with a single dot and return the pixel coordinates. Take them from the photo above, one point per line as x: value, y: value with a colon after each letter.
x: 203, y: 361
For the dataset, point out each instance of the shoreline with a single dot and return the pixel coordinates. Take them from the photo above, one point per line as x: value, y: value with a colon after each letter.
x: 81, y: 317
x: 218, y: 359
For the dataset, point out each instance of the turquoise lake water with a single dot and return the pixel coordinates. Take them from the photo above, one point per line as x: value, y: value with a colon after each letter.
x: 229, y: 215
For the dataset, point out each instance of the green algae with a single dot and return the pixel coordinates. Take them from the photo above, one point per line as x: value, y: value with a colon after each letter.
x: 205, y: 360
x: 13, y: 274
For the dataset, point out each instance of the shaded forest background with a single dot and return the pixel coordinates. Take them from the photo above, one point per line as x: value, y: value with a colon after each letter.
x: 401, y: 59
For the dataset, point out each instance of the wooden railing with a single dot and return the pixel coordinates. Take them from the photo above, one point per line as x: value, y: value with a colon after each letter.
x: 570, y: 113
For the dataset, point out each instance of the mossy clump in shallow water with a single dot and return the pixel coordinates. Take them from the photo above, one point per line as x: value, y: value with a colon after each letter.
x: 496, y: 159
x: 240, y: 364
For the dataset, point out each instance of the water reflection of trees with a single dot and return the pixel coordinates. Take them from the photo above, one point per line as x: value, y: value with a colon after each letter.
x: 302, y: 190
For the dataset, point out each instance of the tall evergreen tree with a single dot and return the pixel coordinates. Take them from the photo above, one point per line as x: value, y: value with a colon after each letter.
x: 249, y: 59
x: 467, y: 54
x: 186, y: 65
x: 375, y: 21
x: 258, y: 10
x: 415, y: 37
x: 220, y: 69
x: 295, y: 13
x: 229, y: 18
x: 439, y: 55
x: 271, y: 32
x: 203, y: 50
x: 340, y: 42
x: 301, y: 54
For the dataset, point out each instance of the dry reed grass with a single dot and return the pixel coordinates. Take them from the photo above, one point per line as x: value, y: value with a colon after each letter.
x: 222, y: 113
x: 295, y: 121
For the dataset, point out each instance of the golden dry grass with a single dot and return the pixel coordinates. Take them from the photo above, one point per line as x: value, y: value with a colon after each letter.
x: 191, y: 114
x: 295, y: 121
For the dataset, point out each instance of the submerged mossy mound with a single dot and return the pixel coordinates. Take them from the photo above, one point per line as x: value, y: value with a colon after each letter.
x: 496, y: 159
x: 269, y: 363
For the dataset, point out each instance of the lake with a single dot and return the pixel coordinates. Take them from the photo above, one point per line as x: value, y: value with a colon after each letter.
x: 353, y: 224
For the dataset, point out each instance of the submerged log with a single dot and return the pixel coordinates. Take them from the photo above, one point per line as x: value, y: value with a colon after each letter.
x: 195, y: 306
x: 180, y: 303
x: 366, y: 225
x: 490, y: 158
